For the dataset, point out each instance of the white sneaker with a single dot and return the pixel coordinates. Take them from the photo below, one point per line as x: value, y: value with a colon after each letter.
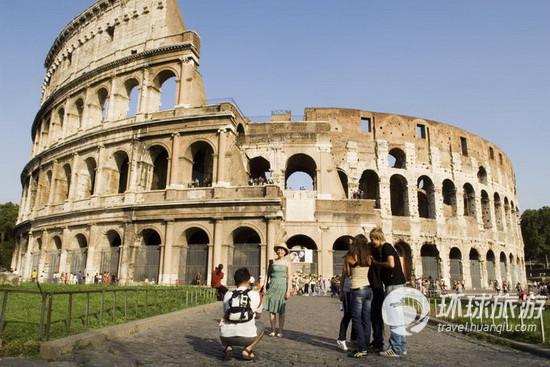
x: 342, y: 345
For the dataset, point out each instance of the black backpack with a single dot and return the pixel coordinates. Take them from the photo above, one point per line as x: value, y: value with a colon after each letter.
x: 239, y: 310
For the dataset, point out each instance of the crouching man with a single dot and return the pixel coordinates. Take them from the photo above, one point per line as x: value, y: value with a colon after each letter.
x: 239, y: 326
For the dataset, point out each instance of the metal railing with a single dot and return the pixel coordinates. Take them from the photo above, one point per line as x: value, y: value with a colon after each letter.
x: 60, y: 313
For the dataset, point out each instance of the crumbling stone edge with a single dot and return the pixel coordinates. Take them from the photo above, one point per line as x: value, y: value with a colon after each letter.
x: 54, y: 349
x: 524, y: 347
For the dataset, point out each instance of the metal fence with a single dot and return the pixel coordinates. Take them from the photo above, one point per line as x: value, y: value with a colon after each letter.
x: 61, y: 313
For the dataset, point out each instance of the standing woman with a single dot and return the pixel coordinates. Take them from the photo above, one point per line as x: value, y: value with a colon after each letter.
x: 278, y: 289
x: 357, y: 264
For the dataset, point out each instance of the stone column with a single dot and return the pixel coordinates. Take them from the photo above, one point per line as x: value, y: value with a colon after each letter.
x: 218, y: 241
x: 222, y: 137
x: 26, y: 271
x: 175, y: 181
x: 51, y: 194
x: 169, y: 272
x: 133, y: 167
x: 126, y: 264
x: 66, y: 246
x: 74, y: 178
x: 267, y: 250
x: 100, y: 171
x: 445, y: 265
x: 142, y: 106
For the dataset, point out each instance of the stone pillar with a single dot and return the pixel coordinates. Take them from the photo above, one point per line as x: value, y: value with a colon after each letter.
x: 133, y: 167
x: 218, y: 241
x: 222, y: 137
x: 126, y: 264
x: 52, y: 188
x: 175, y: 181
x: 445, y: 265
x: 93, y: 261
x: 26, y: 271
x: 74, y: 178
x: 211, y: 265
x: 267, y: 250
x: 169, y: 272
x: 99, y: 184
x: 324, y: 258
x: 142, y: 106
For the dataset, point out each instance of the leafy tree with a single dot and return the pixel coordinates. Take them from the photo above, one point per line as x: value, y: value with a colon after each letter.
x: 8, y: 217
x: 535, y: 228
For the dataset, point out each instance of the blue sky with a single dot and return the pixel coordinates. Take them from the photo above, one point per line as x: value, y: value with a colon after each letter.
x: 480, y: 65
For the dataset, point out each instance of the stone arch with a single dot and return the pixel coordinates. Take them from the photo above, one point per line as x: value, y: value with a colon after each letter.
x: 491, y: 267
x: 507, y: 212
x: 102, y: 105
x: 299, y: 166
x: 246, y: 250
x: 503, y: 267
x: 119, y: 182
x: 78, y: 254
x: 194, y: 256
x: 63, y: 186
x: 397, y: 158
x: 158, y: 156
x: 89, y: 177
x: 405, y: 256
x: 449, y: 198
x: 132, y: 90
x: 339, y: 249
x: 455, y: 265
x: 302, y: 242
x: 486, y: 209
x: 513, y: 275
x: 54, y: 256
x: 60, y: 123
x: 200, y: 164
x: 369, y: 187
x: 399, y: 196
x: 110, y: 255
x: 147, y: 258
x: 430, y: 262
x: 425, y: 192
x: 240, y: 131
x: 343, y: 181
x: 482, y: 175
x: 76, y: 116
x: 259, y: 168
x: 164, y: 91
x: 475, y: 268
x: 469, y: 197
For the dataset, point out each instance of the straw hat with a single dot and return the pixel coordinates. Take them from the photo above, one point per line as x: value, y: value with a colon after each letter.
x: 283, y: 246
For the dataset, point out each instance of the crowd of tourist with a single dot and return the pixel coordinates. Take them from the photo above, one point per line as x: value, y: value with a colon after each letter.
x: 259, y: 181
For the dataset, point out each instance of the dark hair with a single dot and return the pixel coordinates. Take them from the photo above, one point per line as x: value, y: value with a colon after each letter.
x: 359, y: 248
x: 241, y: 275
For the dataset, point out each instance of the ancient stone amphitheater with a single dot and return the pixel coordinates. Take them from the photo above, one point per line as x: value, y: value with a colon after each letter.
x: 126, y: 180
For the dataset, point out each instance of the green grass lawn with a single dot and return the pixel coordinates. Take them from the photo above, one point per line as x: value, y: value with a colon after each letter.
x: 72, y: 314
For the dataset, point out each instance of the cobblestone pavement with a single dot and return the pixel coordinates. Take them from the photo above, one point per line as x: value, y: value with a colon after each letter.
x: 312, y: 324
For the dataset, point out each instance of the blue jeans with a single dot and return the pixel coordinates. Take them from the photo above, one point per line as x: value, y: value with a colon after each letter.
x: 397, y: 342
x: 361, y: 299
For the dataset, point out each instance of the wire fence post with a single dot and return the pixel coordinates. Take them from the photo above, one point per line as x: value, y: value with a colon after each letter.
x: 41, y: 326
x: 101, y: 306
x: 125, y: 304
x: 49, y: 316
x: 69, y: 312
x: 87, y: 315
x: 114, y: 306
x: 4, y: 310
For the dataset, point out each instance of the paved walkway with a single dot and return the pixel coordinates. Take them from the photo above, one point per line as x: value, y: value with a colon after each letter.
x: 309, y: 341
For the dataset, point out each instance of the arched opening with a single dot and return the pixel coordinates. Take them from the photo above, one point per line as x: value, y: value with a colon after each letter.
x: 89, y: 178
x: 430, y: 262
x: 339, y: 250
x: 449, y: 198
x: 369, y: 187
x: 79, y: 254
x: 201, y: 155
x: 301, y: 173
x: 259, y: 169
x: 194, y: 257
x: 148, y: 257
x: 475, y: 269
x: 426, y: 197
x: 103, y: 103
x: 486, y: 209
x: 498, y: 211
x: 503, y: 267
x: 132, y: 94
x: 64, y: 183
x: 52, y: 265
x: 121, y: 175
x: 344, y: 181
x: 303, y: 244
x: 482, y: 175
x: 159, y: 159
x: 469, y: 201
x: 246, y: 251
x: 35, y: 254
x: 35, y: 179
x: 405, y: 256
x: 45, y: 132
x: 399, y: 196
x: 455, y: 264
x: 491, y: 274
x: 397, y: 158
x: 60, y: 122
x: 110, y: 256
x: 166, y: 90
x: 45, y: 188
x: 240, y: 131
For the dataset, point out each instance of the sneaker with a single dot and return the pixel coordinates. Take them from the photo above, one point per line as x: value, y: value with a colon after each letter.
x: 374, y: 349
x: 342, y: 345
x: 389, y: 353
x: 358, y: 354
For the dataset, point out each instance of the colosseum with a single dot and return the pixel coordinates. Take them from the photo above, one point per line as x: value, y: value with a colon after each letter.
x: 126, y: 180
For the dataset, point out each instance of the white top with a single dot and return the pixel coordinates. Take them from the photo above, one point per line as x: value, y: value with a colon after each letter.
x: 244, y: 329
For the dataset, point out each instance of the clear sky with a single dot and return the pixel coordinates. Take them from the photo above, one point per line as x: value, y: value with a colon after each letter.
x: 480, y: 65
